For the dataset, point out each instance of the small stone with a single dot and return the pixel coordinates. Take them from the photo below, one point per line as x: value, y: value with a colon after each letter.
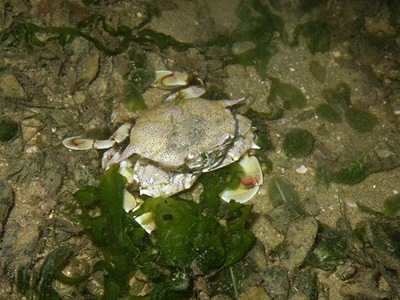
x: 255, y: 292
x: 302, y: 169
x: 88, y: 68
x: 242, y: 47
x: 299, y: 240
x: 10, y: 87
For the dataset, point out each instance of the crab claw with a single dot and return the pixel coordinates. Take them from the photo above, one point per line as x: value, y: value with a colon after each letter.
x: 250, y: 181
x: 170, y: 79
x: 78, y: 143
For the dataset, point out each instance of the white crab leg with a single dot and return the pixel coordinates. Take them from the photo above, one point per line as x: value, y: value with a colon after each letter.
x: 250, y: 181
x: 122, y: 133
x: 78, y: 143
x: 130, y: 202
x: 170, y: 79
x: 126, y: 170
x: 154, y: 181
x: 228, y: 102
x: 188, y: 93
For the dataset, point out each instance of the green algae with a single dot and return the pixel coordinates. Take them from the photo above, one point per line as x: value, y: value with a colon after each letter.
x: 353, y: 174
x: 297, y: 143
x: 27, y: 33
x: 391, y: 205
x: 340, y: 97
x: 330, y: 249
x: 317, y: 33
x: 49, y: 271
x: 292, y: 96
x: 9, y: 130
x: 328, y: 113
x: 200, y: 244
x: 194, y: 234
x: 258, y: 27
x: 289, y: 95
x: 369, y: 162
x: 360, y: 120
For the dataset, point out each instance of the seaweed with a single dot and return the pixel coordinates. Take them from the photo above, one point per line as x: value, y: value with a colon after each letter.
x: 317, y: 33
x: 298, y: 143
x: 371, y: 161
x: 353, y: 174
x: 9, y: 130
x: 340, y: 97
x: 391, y: 205
x: 140, y: 77
x: 215, y: 182
x: 258, y: 31
x: 27, y: 33
x: 372, y: 247
x: 189, y: 240
x: 328, y: 113
x: 290, y: 95
x: 330, y: 248
x: 200, y: 243
x: 48, y: 272
x: 360, y: 120
x: 117, y: 237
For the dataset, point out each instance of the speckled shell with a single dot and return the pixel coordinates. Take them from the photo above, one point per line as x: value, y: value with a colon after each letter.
x: 174, y: 134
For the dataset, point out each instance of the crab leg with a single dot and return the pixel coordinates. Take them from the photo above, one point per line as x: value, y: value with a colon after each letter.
x: 155, y: 182
x: 228, y: 103
x: 170, y: 80
x: 78, y: 143
x: 122, y: 133
x: 188, y: 93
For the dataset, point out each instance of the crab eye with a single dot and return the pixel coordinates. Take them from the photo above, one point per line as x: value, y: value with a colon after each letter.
x: 228, y: 136
x: 191, y: 156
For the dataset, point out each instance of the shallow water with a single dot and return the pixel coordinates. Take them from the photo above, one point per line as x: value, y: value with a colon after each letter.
x: 56, y: 83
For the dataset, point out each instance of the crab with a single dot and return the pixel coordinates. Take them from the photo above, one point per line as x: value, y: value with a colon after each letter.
x: 178, y: 140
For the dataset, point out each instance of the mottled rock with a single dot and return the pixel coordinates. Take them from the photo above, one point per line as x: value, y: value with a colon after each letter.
x: 6, y: 203
x: 255, y: 293
x: 10, y: 87
x: 299, y: 239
